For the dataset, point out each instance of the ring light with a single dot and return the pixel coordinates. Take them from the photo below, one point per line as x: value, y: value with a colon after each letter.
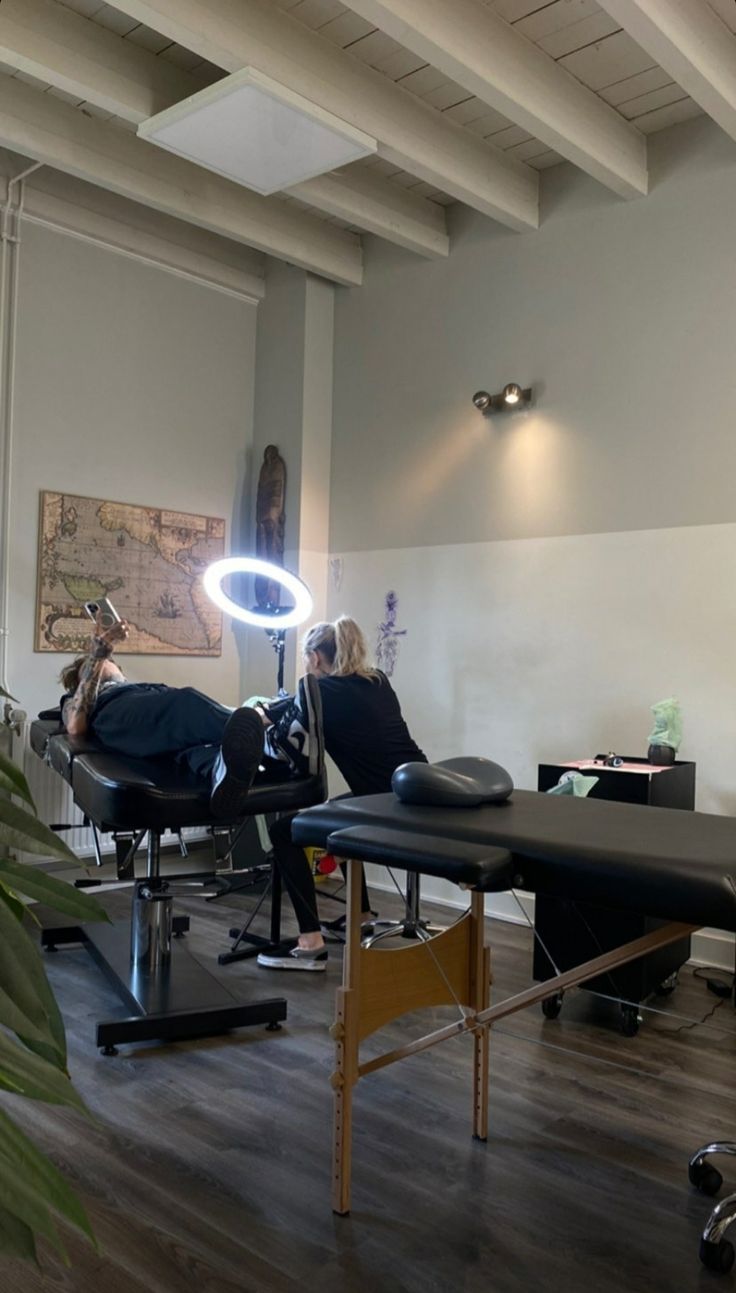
x: 219, y: 570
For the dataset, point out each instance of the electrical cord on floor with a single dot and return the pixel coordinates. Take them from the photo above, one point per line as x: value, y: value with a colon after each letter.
x: 719, y: 986
x: 695, y: 1023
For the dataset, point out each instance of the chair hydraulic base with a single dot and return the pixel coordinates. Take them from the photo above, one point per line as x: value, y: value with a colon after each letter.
x: 176, y: 1001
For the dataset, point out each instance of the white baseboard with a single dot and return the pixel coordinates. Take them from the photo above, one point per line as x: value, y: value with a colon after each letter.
x: 712, y: 947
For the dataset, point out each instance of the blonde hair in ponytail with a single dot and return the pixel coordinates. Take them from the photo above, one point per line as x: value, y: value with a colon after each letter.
x: 343, y: 645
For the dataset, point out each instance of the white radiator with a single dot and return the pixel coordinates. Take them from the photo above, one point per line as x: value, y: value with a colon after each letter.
x: 53, y: 798
x: 55, y: 804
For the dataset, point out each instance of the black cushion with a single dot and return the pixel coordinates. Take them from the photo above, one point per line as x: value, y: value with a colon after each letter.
x: 462, y: 783
x: 64, y: 749
x: 41, y: 732
x: 481, y: 868
x: 661, y: 862
x: 120, y: 793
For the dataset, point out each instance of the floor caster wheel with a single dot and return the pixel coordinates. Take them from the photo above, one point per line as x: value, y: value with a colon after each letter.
x: 666, y: 988
x: 630, y: 1020
x: 705, y: 1178
x: 717, y: 1256
x: 109, y: 1050
x: 273, y: 1027
x: 551, y: 1006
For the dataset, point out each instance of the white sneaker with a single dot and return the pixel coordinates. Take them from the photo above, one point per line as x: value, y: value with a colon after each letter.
x: 288, y: 957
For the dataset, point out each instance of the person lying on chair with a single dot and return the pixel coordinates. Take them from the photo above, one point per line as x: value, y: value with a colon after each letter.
x: 221, y: 746
x: 366, y: 736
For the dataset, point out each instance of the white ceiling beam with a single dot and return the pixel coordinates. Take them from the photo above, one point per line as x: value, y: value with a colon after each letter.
x: 55, y: 212
x: 690, y: 41
x: 54, y: 44
x: 484, y: 54
x: 379, y: 207
x: 40, y: 126
x: 410, y: 133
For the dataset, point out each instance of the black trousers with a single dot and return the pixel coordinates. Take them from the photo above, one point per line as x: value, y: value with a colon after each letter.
x: 297, y: 878
x: 147, y: 719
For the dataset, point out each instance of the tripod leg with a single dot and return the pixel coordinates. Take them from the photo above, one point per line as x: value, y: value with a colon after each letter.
x: 276, y: 893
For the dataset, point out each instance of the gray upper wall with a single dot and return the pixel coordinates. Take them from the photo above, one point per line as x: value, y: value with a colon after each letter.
x: 132, y: 384
x: 622, y: 315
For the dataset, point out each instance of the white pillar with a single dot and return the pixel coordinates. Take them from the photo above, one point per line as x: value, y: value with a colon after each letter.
x: 293, y: 410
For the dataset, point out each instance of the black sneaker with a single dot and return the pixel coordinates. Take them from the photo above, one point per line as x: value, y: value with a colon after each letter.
x: 240, y: 755
x: 288, y: 957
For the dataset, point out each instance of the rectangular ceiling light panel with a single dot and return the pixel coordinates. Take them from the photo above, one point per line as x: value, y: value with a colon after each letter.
x: 257, y: 132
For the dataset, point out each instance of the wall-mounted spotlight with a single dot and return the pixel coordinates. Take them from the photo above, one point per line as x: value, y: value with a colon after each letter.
x: 512, y: 396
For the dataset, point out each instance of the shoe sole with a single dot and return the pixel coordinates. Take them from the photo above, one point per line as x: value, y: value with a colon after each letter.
x: 242, y: 750
x: 310, y: 967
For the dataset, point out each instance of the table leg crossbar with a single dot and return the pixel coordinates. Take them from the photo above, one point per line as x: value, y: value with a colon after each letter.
x: 452, y: 968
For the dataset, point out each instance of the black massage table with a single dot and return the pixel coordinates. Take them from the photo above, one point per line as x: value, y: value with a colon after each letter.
x: 660, y: 862
x: 170, y: 994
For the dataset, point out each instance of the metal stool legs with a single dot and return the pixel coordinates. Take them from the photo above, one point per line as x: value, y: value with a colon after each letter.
x: 411, y: 925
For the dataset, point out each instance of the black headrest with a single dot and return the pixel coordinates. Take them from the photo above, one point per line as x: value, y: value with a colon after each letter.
x: 461, y: 783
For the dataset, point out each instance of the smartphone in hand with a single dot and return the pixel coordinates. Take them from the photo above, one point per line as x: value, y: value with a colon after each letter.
x: 103, y: 609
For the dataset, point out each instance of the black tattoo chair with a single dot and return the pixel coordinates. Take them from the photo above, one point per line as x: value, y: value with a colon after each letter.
x: 171, y: 995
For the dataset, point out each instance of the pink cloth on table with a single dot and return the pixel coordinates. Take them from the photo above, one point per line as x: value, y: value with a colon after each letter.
x: 586, y: 765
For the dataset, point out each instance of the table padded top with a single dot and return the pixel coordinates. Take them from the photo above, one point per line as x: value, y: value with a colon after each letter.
x: 662, y: 862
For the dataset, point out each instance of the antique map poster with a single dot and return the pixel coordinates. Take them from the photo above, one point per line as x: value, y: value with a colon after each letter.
x: 146, y: 560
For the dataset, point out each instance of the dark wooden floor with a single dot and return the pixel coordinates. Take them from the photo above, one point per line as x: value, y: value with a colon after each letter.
x: 207, y: 1167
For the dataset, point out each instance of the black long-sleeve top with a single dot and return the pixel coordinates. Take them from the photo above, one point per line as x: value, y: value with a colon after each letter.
x: 365, y: 732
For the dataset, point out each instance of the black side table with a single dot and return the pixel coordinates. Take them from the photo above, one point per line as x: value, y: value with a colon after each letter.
x: 573, y: 932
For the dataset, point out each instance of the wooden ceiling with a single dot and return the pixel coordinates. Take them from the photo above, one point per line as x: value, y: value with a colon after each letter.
x: 469, y: 101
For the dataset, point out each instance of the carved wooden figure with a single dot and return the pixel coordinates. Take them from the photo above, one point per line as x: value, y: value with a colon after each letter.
x: 270, y: 521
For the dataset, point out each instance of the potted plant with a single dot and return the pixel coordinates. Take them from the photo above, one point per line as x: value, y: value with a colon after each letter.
x: 33, y: 1063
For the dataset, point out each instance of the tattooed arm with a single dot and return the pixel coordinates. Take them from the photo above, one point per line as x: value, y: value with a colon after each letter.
x: 94, y: 671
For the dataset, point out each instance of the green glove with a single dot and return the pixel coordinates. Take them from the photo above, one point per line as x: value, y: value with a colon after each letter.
x: 577, y: 785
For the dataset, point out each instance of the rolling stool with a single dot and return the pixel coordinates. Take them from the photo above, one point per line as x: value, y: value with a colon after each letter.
x: 411, y: 924
x: 716, y: 1252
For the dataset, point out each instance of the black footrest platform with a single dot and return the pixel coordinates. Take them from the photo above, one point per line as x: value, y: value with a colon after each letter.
x: 180, y: 1000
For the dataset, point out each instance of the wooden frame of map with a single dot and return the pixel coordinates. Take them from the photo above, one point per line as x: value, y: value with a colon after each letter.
x: 148, y: 561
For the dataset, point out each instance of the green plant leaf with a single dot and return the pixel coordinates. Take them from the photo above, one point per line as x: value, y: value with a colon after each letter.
x: 28, y: 1205
x: 16, y: 1238
x: 38, y: 1172
x: 46, y: 888
x: 56, y: 1053
x: 24, y: 992
x: 14, y: 904
x: 22, y: 830
x: 30, y: 1075
x: 13, y: 781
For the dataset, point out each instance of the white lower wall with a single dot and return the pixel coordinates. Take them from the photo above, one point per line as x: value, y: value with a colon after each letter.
x: 711, y: 947
x: 542, y: 650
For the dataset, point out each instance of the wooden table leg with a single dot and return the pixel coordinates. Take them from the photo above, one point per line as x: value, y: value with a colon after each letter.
x: 345, y: 1032
x: 480, y: 995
